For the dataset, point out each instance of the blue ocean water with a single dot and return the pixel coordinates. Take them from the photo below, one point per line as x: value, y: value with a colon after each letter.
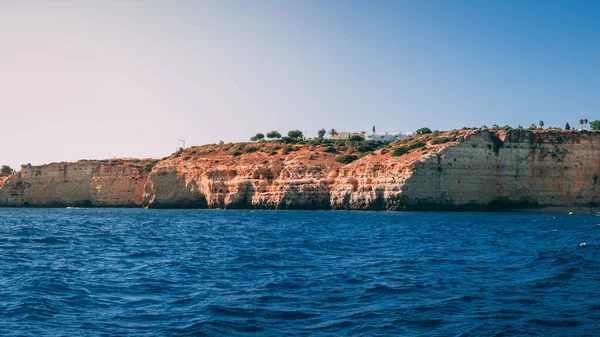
x: 117, y: 272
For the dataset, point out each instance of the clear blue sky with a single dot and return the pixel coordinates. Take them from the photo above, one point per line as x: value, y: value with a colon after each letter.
x: 99, y: 79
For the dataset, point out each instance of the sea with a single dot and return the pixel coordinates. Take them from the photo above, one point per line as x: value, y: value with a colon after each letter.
x: 136, y: 272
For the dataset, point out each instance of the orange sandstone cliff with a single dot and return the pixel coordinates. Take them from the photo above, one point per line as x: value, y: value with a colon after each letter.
x: 85, y: 183
x: 456, y: 170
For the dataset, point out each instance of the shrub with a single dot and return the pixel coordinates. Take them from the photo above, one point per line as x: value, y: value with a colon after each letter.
x: 289, y: 140
x: 595, y: 125
x: 236, y: 153
x: 250, y: 149
x: 404, y: 149
x: 273, y: 134
x: 356, y: 138
x: 317, y: 141
x: 148, y: 165
x: 330, y: 149
x: 423, y: 131
x: 416, y: 145
x: 345, y: 159
x: 399, y: 151
x: 287, y: 149
x: 441, y: 140
x: 178, y: 153
x: 367, y: 147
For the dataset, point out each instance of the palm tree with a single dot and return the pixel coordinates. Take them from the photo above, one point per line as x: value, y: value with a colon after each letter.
x: 541, y: 124
x: 581, y: 122
x: 585, y: 121
x: 333, y: 133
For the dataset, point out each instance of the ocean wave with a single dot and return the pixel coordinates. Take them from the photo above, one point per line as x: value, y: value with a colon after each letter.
x: 206, y: 273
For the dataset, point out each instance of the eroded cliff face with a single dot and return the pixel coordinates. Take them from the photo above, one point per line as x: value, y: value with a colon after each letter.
x: 471, y: 170
x: 84, y: 183
x: 256, y: 180
x: 511, y: 170
x: 456, y: 170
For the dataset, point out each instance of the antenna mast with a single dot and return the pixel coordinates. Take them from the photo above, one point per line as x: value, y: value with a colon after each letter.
x: 182, y: 141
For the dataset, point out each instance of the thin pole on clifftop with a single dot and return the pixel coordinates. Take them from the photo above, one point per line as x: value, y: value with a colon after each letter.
x: 182, y: 141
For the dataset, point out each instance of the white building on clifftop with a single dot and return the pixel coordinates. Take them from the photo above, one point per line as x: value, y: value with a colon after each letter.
x: 387, y: 136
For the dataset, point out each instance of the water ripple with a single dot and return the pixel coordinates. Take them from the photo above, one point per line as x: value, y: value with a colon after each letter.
x: 113, y: 272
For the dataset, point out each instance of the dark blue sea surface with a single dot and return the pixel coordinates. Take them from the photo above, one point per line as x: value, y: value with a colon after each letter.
x: 118, y: 272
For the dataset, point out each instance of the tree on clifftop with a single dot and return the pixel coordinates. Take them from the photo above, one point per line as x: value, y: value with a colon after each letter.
x: 321, y: 133
x: 581, y: 122
x: 595, y: 125
x: 273, y: 134
x: 541, y: 123
x: 567, y: 127
x: 5, y: 170
x: 257, y: 137
x: 295, y: 134
x: 423, y: 131
x: 333, y: 133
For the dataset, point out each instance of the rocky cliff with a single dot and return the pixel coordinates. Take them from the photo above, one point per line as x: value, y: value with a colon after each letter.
x: 85, y: 183
x: 457, y: 170
x: 514, y: 169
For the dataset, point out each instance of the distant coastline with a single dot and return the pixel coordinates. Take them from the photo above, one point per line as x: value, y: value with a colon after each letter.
x: 458, y: 170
